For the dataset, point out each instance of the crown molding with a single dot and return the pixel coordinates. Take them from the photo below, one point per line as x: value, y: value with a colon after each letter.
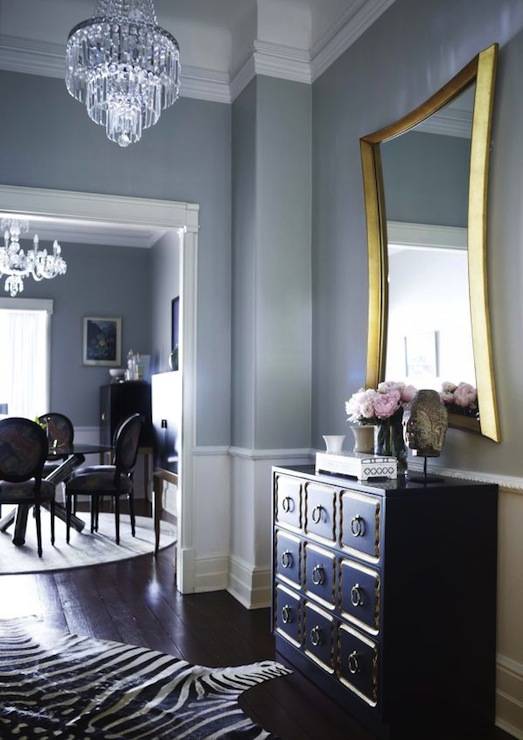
x: 284, y: 62
x: 448, y: 122
x: 48, y: 60
x: 416, y: 236
x: 19, y: 54
x: 345, y: 32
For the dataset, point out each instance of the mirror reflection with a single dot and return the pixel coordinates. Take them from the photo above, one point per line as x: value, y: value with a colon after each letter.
x: 426, y: 181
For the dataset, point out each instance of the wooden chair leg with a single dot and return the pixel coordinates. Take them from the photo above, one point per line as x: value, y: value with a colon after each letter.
x: 131, y: 514
x: 99, y: 505
x: 51, y: 509
x: 75, y: 504
x: 38, y: 529
x: 68, y: 504
x: 117, y: 518
x: 93, y: 508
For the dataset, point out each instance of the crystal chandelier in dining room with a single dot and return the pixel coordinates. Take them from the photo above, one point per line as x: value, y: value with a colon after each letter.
x: 16, y: 264
x: 123, y: 67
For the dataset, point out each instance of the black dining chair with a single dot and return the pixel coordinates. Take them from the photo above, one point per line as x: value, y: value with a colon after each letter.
x: 60, y: 436
x: 23, y: 452
x: 114, y: 481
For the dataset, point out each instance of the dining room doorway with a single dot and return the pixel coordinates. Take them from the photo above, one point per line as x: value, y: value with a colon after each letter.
x: 75, y: 218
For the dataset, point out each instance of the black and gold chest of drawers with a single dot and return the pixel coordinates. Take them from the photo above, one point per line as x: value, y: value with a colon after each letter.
x: 385, y: 596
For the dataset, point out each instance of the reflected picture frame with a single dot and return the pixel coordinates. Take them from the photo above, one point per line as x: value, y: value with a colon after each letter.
x: 102, y: 341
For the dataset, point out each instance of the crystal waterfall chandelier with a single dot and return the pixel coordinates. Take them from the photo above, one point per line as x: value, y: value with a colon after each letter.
x: 124, y: 67
x: 17, y: 264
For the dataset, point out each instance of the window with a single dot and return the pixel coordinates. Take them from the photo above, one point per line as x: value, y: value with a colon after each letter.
x: 24, y: 355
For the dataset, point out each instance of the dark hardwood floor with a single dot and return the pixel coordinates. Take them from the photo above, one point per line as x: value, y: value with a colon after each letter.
x: 135, y: 601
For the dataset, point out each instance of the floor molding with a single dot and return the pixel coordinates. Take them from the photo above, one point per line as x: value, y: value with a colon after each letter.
x: 509, y: 695
x: 250, y: 585
x: 211, y: 573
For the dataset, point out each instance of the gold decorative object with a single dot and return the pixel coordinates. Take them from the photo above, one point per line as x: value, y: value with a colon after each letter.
x: 426, y: 425
x: 481, y: 71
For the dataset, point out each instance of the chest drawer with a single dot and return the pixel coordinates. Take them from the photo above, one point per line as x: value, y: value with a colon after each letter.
x: 319, y: 637
x: 320, y: 508
x: 358, y: 664
x: 360, y: 525
x: 288, y: 615
x: 320, y: 575
x: 288, y: 502
x: 360, y: 595
x: 288, y: 557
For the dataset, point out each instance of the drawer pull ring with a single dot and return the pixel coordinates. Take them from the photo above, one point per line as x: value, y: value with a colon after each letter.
x: 287, y: 560
x: 316, y: 636
x: 356, y: 595
x: 357, y: 526
x: 318, y: 575
x: 287, y: 504
x: 316, y: 514
x: 286, y: 614
x: 354, y: 663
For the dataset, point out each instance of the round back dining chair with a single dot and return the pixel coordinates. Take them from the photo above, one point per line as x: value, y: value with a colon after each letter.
x: 60, y: 430
x: 127, y: 442
x: 23, y: 452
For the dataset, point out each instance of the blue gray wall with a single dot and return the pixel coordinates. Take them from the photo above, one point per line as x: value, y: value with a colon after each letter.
x: 165, y: 283
x: 100, y: 281
x: 426, y: 178
x: 271, y: 207
x: 186, y: 157
x: 360, y: 93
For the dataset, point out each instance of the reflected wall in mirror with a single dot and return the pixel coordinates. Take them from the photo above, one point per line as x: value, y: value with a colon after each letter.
x: 425, y: 181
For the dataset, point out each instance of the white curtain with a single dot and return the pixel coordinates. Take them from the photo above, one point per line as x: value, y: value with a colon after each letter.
x: 24, y: 361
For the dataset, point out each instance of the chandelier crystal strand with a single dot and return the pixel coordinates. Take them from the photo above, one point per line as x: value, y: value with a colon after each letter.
x: 123, y: 67
x: 16, y: 265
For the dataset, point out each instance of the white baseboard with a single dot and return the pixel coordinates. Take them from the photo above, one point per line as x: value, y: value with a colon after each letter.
x: 509, y: 696
x: 211, y: 573
x: 249, y: 584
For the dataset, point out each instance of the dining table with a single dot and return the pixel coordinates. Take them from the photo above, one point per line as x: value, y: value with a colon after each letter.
x: 69, y: 458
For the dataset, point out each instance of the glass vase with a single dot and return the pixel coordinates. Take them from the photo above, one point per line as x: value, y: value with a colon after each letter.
x: 390, y: 440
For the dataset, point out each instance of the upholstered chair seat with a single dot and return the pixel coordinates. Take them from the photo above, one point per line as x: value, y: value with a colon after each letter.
x: 99, y: 480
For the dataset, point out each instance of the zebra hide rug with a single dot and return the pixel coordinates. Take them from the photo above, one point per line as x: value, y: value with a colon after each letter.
x: 60, y: 686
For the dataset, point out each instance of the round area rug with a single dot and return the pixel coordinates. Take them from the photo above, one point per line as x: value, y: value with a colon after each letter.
x: 85, y: 548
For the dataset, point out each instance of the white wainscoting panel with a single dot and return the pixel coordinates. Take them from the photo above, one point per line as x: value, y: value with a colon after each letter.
x: 251, y: 515
x: 211, y: 518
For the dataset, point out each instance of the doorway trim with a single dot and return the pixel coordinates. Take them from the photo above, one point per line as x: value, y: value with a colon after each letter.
x: 97, y: 208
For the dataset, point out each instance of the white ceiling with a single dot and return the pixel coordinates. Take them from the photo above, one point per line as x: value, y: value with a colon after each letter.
x: 223, y: 42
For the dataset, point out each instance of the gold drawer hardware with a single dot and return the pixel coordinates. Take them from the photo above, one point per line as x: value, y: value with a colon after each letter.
x: 316, y: 636
x: 357, y: 526
x: 317, y: 514
x: 354, y: 663
x: 287, y: 559
x: 356, y: 595
x: 286, y: 504
x: 318, y: 575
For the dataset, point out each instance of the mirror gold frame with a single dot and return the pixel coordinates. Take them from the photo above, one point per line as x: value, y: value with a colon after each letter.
x: 480, y: 70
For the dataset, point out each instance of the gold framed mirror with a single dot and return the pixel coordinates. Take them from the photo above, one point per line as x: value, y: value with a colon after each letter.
x: 428, y: 284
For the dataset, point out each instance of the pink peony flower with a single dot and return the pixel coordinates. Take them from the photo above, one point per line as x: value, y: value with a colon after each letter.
x: 448, y: 387
x: 386, y: 404
x: 465, y: 395
x: 408, y: 392
x: 447, y: 397
x: 360, y: 406
x: 390, y: 385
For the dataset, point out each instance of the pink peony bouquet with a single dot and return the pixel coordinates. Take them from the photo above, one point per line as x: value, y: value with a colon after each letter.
x: 372, y: 406
x: 461, y: 398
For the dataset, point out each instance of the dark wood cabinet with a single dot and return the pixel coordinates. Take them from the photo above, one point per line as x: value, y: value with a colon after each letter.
x: 385, y: 596
x: 118, y: 401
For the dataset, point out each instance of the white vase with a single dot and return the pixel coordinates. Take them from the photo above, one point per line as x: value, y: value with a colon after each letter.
x: 363, y: 437
x: 334, y: 442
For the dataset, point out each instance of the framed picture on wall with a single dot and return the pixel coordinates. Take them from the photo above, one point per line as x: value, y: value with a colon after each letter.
x: 102, y: 341
x: 421, y: 354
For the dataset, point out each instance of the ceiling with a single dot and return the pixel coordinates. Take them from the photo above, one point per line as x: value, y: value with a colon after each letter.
x: 224, y: 43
